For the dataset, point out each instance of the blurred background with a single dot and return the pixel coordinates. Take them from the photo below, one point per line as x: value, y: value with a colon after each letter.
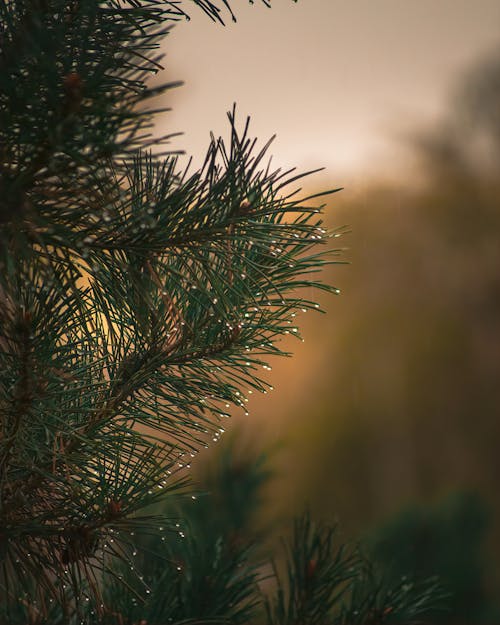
x: 387, y: 416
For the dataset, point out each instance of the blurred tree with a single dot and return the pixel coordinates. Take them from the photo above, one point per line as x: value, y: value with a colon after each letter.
x: 411, y: 409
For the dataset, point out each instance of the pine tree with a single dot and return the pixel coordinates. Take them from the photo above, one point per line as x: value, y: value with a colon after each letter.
x: 139, y: 302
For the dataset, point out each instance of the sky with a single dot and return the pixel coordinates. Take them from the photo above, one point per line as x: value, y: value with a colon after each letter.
x: 341, y: 82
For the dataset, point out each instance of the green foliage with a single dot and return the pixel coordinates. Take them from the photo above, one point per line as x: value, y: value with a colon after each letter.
x: 445, y: 540
x: 375, y: 598
x: 327, y: 581
x: 315, y: 579
x: 213, y: 570
x: 208, y: 569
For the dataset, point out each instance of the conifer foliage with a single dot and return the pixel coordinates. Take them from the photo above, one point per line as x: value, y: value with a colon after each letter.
x: 139, y: 301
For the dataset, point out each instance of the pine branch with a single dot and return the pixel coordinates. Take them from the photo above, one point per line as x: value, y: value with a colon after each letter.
x: 375, y: 602
x: 138, y: 301
x: 317, y: 577
x: 331, y: 583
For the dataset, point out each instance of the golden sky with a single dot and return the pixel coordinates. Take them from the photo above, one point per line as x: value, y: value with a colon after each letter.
x: 340, y: 82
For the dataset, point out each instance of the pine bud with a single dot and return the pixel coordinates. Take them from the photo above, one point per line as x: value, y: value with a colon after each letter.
x: 114, y: 508
x: 73, y: 90
x: 245, y: 206
x: 311, y: 569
